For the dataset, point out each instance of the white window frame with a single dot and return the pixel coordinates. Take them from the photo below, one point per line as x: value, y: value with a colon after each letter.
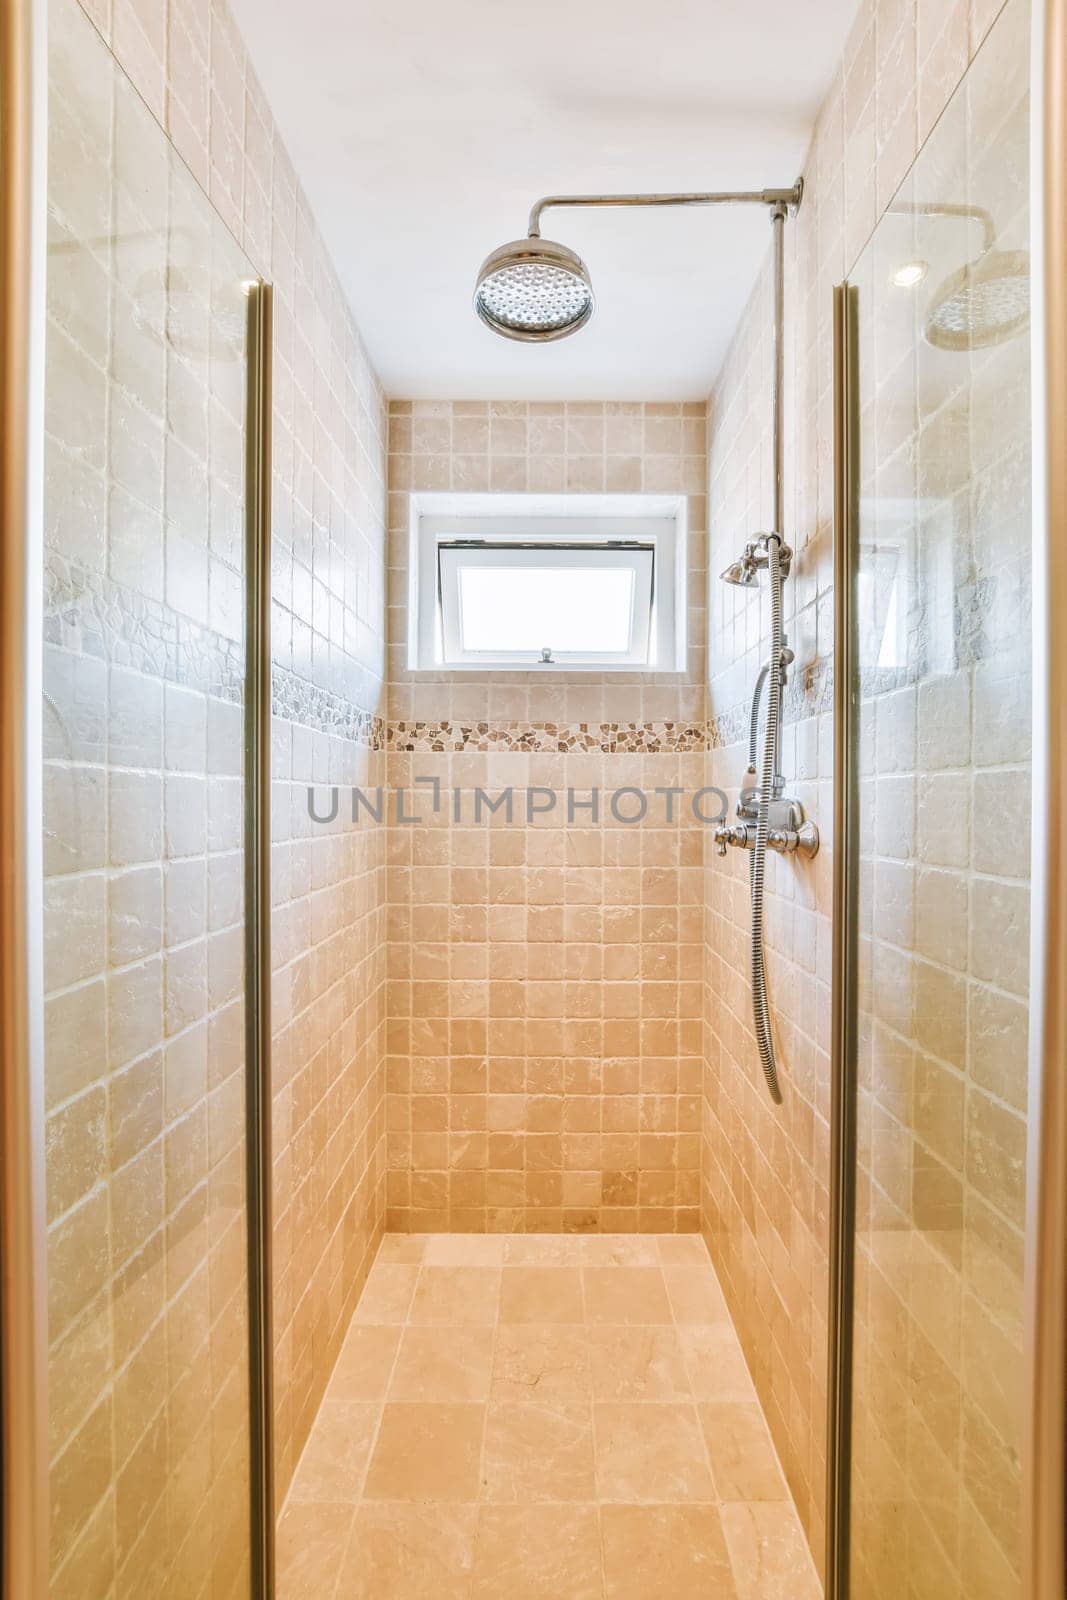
x: 583, y: 521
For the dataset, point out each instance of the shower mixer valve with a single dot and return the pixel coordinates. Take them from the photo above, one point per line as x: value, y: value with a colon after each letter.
x: 787, y: 830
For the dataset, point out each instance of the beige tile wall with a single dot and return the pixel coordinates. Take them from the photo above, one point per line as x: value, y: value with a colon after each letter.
x: 188, y: 62
x: 765, y: 1171
x: 544, y: 980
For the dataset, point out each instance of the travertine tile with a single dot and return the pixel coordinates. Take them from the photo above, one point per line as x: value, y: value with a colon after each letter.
x: 538, y: 1553
x: 387, y: 1293
x: 654, y: 1551
x: 425, y: 1552
x: 715, y: 1361
x: 768, y: 1552
x: 365, y: 1363
x: 547, y: 1366
x: 538, y: 1453
x: 580, y: 1443
x: 332, y: 1467
x: 312, y: 1541
x: 743, y: 1462
x: 650, y: 1452
x: 443, y: 1364
x: 427, y: 1452
x: 625, y: 1295
x: 637, y: 1363
x: 541, y: 1294
x: 456, y: 1295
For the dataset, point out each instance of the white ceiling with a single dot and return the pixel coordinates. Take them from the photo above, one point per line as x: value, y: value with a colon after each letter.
x: 423, y: 130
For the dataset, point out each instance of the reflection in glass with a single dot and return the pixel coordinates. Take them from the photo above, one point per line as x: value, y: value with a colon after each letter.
x: 144, y: 677
x: 944, y: 652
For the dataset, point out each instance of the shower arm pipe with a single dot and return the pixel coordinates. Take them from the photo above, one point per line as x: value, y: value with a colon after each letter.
x: 942, y: 208
x: 741, y: 197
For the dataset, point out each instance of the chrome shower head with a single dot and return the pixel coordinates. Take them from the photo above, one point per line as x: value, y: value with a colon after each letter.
x: 745, y: 571
x: 535, y: 290
x: 742, y: 572
x: 985, y: 302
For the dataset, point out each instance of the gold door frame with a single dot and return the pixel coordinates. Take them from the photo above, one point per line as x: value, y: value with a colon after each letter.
x: 1045, y: 1480
x: 257, y: 934
x: 843, y: 1047
x: 23, y: 1327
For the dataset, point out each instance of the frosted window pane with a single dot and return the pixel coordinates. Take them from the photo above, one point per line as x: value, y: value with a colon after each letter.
x: 588, y: 609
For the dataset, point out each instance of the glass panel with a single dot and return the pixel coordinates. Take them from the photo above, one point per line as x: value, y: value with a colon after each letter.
x: 944, y: 651
x: 525, y: 608
x: 143, y: 674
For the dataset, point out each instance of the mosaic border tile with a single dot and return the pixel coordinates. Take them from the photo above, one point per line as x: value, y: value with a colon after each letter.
x: 557, y: 738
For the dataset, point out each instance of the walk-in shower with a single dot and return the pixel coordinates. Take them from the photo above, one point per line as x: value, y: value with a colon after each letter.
x: 537, y: 290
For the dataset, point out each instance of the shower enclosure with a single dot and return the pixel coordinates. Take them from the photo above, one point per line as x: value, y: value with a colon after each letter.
x: 145, y: 1070
x: 134, y: 708
x: 936, y: 1119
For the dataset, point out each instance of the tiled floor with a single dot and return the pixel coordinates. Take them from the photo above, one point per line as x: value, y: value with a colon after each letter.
x: 524, y: 1417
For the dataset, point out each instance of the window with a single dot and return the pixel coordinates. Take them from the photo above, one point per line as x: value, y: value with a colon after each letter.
x: 547, y: 583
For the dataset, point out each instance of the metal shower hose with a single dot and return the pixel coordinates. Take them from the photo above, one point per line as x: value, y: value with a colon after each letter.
x: 760, y: 1005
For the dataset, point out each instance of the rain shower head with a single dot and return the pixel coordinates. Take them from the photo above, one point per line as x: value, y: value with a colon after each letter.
x: 534, y: 290
x: 985, y: 302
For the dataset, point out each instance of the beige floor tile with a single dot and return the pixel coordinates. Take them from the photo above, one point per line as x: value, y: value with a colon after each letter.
x: 312, y: 1539
x: 650, y: 1452
x: 427, y: 1452
x: 768, y: 1553
x: 464, y: 1250
x: 637, y: 1364
x: 366, y: 1360
x: 534, y: 1453
x: 695, y: 1295
x: 548, y: 1366
x: 387, y: 1293
x: 541, y: 1294
x: 743, y: 1462
x: 666, y: 1553
x: 443, y: 1364
x: 456, y: 1296
x: 409, y: 1552
x: 619, y: 1250
x: 544, y: 1250
x: 625, y: 1295
x: 537, y: 1553
x: 716, y: 1363
x: 436, y: 1405
x: 335, y: 1456
x: 406, y: 1248
x: 683, y: 1250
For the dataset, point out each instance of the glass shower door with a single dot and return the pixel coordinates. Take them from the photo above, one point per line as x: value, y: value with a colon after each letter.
x: 144, y: 853
x: 943, y: 645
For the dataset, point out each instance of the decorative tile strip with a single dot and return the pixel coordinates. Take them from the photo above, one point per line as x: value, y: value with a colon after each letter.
x: 558, y: 738
x: 90, y: 614
x: 306, y: 703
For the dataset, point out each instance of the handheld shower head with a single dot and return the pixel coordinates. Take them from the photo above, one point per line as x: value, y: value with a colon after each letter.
x: 742, y: 572
x: 534, y: 290
x: 745, y: 571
